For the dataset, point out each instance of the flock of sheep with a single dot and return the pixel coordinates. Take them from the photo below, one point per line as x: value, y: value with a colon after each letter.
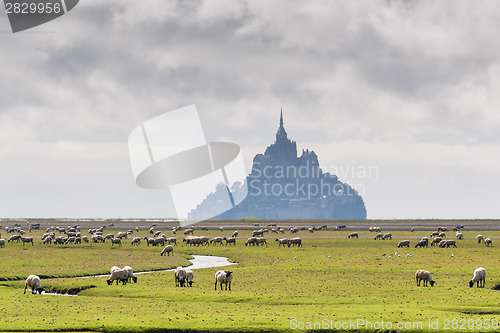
x: 184, y: 276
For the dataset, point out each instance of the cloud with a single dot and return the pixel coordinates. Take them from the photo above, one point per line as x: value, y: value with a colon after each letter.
x: 421, y: 74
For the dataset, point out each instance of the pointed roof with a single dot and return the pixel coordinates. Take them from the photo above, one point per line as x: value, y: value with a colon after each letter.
x: 281, y: 134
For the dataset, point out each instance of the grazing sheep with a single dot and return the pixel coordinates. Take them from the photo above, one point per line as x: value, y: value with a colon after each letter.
x: 136, y: 241
x: 260, y: 241
x: 447, y: 243
x: 283, y: 241
x: 435, y: 234
x: 167, y: 249
x: 387, y: 236
x: 85, y: 239
x: 442, y: 229
x: 189, y: 231
x: 159, y: 241
x: 488, y: 241
x: 116, y: 241
x: 311, y: 230
x: 412, y: 229
x: 189, y: 277
x: 235, y: 234
x: 259, y: 233
x: 421, y: 243
x: 436, y: 241
x: 172, y: 240
x: 404, y: 243
x: 180, y: 277
x: 33, y: 281
x: 459, y: 235
x: 425, y: 276
x: 353, y: 235
x: 221, y: 229
x: 379, y: 236
x: 295, y: 241
x: 13, y: 238
x: 251, y: 241
x: 479, y: 238
x: 223, y: 277
x: 216, y: 240
x: 479, y: 277
x: 130, y: 274
x: 118, y: 275
x: 442, y: 235
x: 230, y: 240
x: 27, y: 240
x: 2, y: 242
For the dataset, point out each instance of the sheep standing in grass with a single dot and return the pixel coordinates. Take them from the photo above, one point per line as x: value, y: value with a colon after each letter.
x: 130, y: 274
x: 404, y: 243
x: 180, y: 277
x: 353, y: 235
x: 189, y: 277
x: 235, y: 234
x: 33, y: 281
x: 167, y: 249
x: 488, y: 241
x: 295, y: 241
x: 118, y: 275
x: 136, y: 241
x: 479, y: 238
x: 116, y: 241
x: 459, y: 235
x: 223, y: 277
x: 283, y: 241
x: 425, y: 276
x: 230, y: 240
x: 436, y: 241
x: 379, y: 236
x: 2, y: 242
x: 479, y: 277
x: 387, y: 236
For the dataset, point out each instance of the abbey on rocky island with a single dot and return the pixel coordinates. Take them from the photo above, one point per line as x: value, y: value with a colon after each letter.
x: 283, y: 186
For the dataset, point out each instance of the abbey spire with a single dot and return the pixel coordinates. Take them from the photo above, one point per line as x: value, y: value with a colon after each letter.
x: 281, y: 134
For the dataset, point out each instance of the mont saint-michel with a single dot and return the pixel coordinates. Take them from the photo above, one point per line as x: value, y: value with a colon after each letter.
x: 283, y: 185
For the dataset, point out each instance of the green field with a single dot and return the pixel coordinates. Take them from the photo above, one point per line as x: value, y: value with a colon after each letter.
x: 332, y: 281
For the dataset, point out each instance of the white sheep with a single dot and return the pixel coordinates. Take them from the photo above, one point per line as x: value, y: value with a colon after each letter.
x: 479, y: 238
x: 353, y: 235
x: 379, y: 236
x: 33, y: 281
x: 404, y: 243
x: 118, y: 275
x: 295, y: 241
x: 459, y: 235
x: 180, y: 277
x: 235, y: 234
x: 2, y: 242
x: 223, y: 277
x: 136, y: 241
x: 130, y: 274
x: 422, y: 275
x: 479, y: 277
x: 488, y: 241
x: 189, y: 277
x: 116, y: 241
x: 167, y: 249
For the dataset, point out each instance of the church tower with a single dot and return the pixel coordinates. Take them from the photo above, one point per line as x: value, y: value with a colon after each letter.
x: 283, y: 150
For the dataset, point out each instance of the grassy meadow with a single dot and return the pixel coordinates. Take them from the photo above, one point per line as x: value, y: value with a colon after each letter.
x: 338, y: 283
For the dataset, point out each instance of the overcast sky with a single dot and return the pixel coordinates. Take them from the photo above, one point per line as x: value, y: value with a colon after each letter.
x: 409, y: 90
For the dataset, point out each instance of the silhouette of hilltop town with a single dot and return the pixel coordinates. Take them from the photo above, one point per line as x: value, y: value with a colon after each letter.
x: 283, y: 186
